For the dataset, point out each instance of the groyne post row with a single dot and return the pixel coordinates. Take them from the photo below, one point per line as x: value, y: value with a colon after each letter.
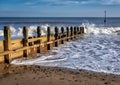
x: 29, y: 46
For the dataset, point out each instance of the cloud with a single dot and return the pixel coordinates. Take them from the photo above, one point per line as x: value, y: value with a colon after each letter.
x: 101, y: 2
x: 72, y: 2
x: 111, y: 2
x: 52, y: 2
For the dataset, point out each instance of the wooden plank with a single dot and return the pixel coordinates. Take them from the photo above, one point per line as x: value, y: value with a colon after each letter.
x: 50, y: 42
x: 43, y: 39
x: 16, y: 41
x: 26, y: 48
x: 6, y: 53
x: 1, y: 50
x: 1, y: 59
x: 52, y: 37
x: 16, y: 54
x: 1, y: 46
x: 16, y: 44
x: 34, y: 39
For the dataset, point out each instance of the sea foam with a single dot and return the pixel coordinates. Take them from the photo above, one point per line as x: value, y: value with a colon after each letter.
x: 97, y: 50
x: 89, y: 29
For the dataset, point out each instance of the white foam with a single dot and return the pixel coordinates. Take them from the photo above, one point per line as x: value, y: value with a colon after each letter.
x: 32, y: 31
x: 1, y: 32
x: 89, y: 29
x: 100, y: 53
x: 93, y: 29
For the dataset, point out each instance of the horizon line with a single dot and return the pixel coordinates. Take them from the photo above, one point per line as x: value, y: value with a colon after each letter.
x: 60, y: 17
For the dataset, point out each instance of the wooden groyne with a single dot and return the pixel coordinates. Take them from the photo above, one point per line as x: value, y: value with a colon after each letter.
x: 30, y: 46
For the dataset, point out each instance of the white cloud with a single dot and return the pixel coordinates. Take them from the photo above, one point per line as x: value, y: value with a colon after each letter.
x: 111, y: 2
x: 72, y: 2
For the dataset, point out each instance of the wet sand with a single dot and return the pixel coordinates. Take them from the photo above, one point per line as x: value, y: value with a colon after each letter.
x: 40, y: 75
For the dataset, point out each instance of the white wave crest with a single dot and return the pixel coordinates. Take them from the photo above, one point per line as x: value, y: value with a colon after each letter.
x: 89, y: 29
x: 1, y: 33
x: 93, y: 29
x: 32, y: 31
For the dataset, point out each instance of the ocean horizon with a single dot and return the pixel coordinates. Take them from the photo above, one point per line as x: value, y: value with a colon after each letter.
x: 66, y: 21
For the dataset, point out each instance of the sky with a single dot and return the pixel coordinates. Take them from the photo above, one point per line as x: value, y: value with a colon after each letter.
x: 59, y: 8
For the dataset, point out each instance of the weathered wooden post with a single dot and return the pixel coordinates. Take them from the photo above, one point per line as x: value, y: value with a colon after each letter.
x: 48, y: 38
x: 56, y: 37
x: 39, y: 33
x: 71, y: 29
x: 7, y: 44
x: 25, y: 41
x: 67, y: 33
x: 62, y: 31
x: 30, y: 43
x: 75, y: 30
x: 78, y: 31
x: 82, y: 30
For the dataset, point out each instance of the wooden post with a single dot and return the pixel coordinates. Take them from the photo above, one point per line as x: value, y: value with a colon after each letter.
x: 82, y: 30
x: 78, y: 31
x: 62, y: 31
x: 35, y: 49
x: 56, y: 37
x: 48, y: 38
x: 75, y: 30
x: 71, y: 29
x: 25, y: 41
x: 30, y: 43
x: 39, y: 33
x: 7, y: 44
x: 67, y: 33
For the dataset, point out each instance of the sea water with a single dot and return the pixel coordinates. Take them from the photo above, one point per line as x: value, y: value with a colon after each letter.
x: 97, y: 50
x: 17, y: 23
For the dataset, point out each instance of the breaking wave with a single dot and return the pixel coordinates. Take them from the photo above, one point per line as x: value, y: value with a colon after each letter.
x: 89, y: 29
x: 93, y: 29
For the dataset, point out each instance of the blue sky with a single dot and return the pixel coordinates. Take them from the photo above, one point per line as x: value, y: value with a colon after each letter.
x: 59, y: 8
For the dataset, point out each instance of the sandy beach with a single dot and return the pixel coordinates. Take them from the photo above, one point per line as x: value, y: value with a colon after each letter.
x: 39, y: 75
